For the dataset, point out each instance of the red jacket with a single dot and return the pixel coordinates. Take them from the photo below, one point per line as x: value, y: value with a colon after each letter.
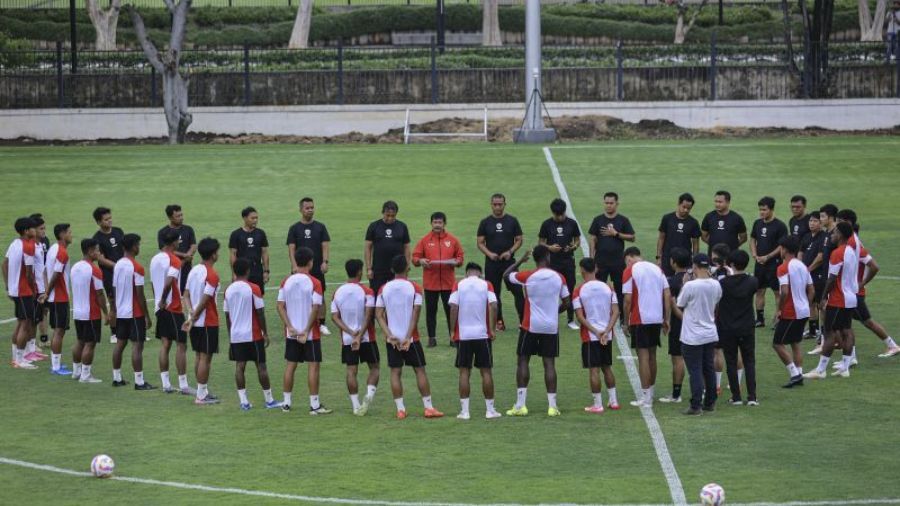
x: 433, y: 247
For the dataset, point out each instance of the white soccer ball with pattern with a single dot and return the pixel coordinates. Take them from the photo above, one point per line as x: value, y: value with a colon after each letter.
x: 102, y: 466
x: 712, y: 495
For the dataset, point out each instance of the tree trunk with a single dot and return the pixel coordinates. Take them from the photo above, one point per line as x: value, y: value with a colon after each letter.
x: 681, y: 30
x: 679, y: 27
x: 300, y: 33
x: 490, y: 23
x: 175, y: 103
x: 105, y: 23
x: 871, y: 27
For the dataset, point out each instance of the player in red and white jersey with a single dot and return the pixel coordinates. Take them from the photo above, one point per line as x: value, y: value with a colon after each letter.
x: 397, y: 309
x: 597, y: 310
x: 245, y: 315
x: 473, y: 314
x: 647, y: 307
x: 132, y: 316
x: 539, y: 332
x: 201, y: 289
x: 352, y: 310
x: 299, y: 299
x: 796, y: 291
x: 88, y: 306
x: 57, y: 270
x: 839, y: 302
x: 165, y: 274
x: 18, y: 275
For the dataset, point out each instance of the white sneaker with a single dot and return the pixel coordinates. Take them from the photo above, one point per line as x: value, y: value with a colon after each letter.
x: 463, y: 416
x: 112, y: 339
x: 839, y: 364
x: 890, y: 352
x: 90, y: 379
x: 492, y: 414
x: 574, y: 325
x: 324, y: 330
x: 815, y: 351
x: 640, y: 404
x: 24, y: 364
x: 668, y: 399
x: 815, y: 375
x: 841, y: 372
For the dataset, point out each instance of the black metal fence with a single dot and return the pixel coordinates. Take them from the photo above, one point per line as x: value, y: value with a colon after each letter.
x: 357, y: 75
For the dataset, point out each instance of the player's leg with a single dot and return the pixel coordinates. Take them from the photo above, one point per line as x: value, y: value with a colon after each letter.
x: 290, y: 368
x: 262, y: 370
x: 829, y: 325
x: 719, y: 365
x: 397, y: 390
x: 87, y: 361
x: 313, y: 352
x: 137, y: 359
x: 353, y: 386
x: 77, y: 354
x: 240, y: 381
x: 58, y: 316
x: 464, y: 390
x: 849, y: 343
x: 122, y: 326
x: 550, y: 382
x: 369, y: 354
x: 596, y: 393
x: 415, y: 357
x: 610, y: 380
x: 165, y: 345
x: 445, y: 303
x: 181, y: 366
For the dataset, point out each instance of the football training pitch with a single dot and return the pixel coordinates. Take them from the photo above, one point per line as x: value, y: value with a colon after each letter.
x: 830, y: 442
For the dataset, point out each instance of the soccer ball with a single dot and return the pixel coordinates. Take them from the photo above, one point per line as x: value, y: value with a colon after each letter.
x: 102, y: 466
x: 712, y: 495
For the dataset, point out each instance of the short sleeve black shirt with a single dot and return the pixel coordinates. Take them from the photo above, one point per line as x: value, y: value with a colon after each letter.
x: 679, y: 233
x: 723, y: 229
x: 768, y: 235
x: 249, y: 246
x: 387, y: 241
x: 609, y: 250
x: 112, y: 249
x: 811, y: 246
x: 560, y: 233
x: 499, y: 233
x: 185, y: 233
x: 676, y: 281
x: 799, y: 227
x: 309, y: 235
x: 736, y: 316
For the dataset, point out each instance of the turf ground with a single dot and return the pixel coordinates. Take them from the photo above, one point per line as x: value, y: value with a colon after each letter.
x: 831, y: 440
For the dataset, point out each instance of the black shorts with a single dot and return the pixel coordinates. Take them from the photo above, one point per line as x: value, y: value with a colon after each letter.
x: 819, y: 287
x: 367, y: 352
x: 205, y: 340
x: 861, y: 312
x: 295, y: 351
x: 530, y: 343
x: 26, y: 308
x: 645, y: 336
x: 838, y: 318
x: 594, y: 354
x: 767, y: 275
x: 88, y: 331
x: 413, y: 357
x: 59, y: 315
x: 168, y: 325
x: 478, y: 351
x: 253, y: 351
x: 131, y: 329
x: 675, y: 337
x: 789, y: 331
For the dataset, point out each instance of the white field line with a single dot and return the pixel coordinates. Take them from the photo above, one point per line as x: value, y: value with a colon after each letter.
x: 8, y: 320
x: 374, y: 502
x: 676, y: 489
x: 695, y: 145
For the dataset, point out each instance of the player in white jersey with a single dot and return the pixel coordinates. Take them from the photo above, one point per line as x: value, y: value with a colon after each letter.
x: 352, y: 311
x: 165, y: 274
x: 397, y: 310
x: 88, y: 306
x: 200, y: 293
x: 597, y: 309
x: 57, y: 272
x: 539, y: 330
x: 299, y: 300
x: 18, y: 275
x: 796, y: 292
x: 41, y: 245
x: 132, y: 317
x: 245, y: 314
x: 473, y: 314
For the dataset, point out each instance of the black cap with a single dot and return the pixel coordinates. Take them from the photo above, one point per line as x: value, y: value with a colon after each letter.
x: 701, y: 259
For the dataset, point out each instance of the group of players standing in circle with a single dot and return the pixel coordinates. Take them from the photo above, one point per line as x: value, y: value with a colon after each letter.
x: 816, y: 265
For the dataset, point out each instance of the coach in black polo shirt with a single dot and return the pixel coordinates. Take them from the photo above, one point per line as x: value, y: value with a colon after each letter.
x: 798, y: 225
x: 385, y: 239
x: 308, y: 233
x: 764, y: 247
x: 677, y: 229
x: 499, y: 236
x: 188, y: 245
x: 723, y: 225
x: 608, y: 232
x: 251, y: 243
x: 111, y: 250
x: 561, y: 234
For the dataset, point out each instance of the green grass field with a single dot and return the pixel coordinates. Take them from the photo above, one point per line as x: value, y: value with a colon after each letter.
x: 829, y: 441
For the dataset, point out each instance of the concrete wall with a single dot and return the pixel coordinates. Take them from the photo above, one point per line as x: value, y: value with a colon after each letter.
x: 76, y: 124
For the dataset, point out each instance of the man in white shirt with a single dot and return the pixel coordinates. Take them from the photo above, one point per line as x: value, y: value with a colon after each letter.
x: 132, y: 317
x: 165, y: 275
x: 597, y: 309
x: 352, y: 310
x: 397, y: 310
x: 88, y: 307
x: 796, y: 290
x: 539, y: 333
x: 200, y: 293
x: 696, y: 306
x: 473, y: 313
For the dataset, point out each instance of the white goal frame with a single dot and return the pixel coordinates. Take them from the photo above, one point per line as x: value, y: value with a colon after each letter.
x: 408, y: 135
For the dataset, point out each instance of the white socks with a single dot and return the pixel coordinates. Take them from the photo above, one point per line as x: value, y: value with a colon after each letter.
x: 164, y: 376
x: 117, y: 374
x: 853, y: 353
x: 890, y: 342
x: 598, y: 400
x: 489, y: 404
x: 718, y: 380
x: 399, y: 402
x: 287, y: 398
x: 427, y: 402
x: 551, y: 400
x: 242, y: 395
x: 55, y: 360
x: 845, y: 361
x: 268, y: 395
x: 139, y: 378
x: 85, y: 372
x: 76, y: 370
x: 370, y: 392
x: 823, y: 363
x: 314, y: 402
x: 613, y: 399
x: 464, y: 406
x: 521, y: 396
x: 183, y: 382
x: 354, y: 400
x: 201, y: 391
x: 792, y: 369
